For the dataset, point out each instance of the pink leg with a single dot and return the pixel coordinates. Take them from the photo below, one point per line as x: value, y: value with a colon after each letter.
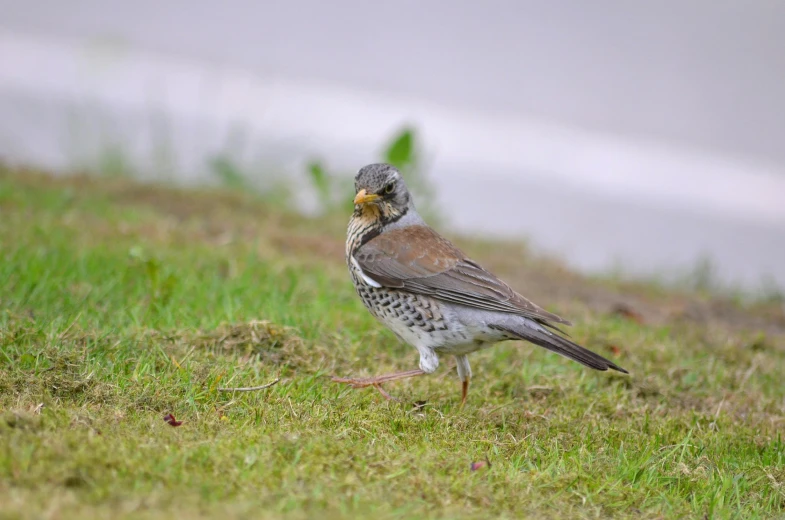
x: 377, y: 381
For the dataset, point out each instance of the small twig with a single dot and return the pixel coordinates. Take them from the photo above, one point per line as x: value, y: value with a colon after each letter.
x: 250, y: 388
x: 68, y: 328
x: 719, y: 408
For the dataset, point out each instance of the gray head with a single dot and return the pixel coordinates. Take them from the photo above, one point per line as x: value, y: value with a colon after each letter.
x: 381, y: 186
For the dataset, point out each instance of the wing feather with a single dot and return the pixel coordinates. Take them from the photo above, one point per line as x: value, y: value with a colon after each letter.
x: 419, y: 260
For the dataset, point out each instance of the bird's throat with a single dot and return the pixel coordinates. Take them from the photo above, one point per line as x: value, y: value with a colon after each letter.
x: 367, y: 222
x: 369, y: 213
x: 363, y: 226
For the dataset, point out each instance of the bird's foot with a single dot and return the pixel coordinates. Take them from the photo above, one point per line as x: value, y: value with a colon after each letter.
x: 356, y: 382
x: 364, y: 383
x: 377, y: 381
x: 373, y: 381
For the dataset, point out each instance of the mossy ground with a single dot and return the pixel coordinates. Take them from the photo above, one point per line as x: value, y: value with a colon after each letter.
x: 122, y: 303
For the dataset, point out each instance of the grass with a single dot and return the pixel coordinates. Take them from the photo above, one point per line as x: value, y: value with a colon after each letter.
x: 122, y: 303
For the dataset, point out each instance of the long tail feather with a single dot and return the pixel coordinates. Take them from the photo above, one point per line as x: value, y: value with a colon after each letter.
x: 555, y: 343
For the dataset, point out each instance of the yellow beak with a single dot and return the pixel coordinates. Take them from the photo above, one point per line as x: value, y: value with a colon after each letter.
x: 363, y: 197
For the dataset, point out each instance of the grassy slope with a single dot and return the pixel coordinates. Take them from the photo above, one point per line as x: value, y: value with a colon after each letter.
x: 122, y: 303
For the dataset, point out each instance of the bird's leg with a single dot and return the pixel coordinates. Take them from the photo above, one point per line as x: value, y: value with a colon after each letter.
x: 465, y: 375
x: 378, y: 380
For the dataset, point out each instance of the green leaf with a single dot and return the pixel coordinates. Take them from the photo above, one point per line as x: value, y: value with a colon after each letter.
x: 227, y: 172
x: 319, y: 179
x: 400, y: 152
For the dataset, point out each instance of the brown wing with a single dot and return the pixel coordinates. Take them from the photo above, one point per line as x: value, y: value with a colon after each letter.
x: 418, y: 260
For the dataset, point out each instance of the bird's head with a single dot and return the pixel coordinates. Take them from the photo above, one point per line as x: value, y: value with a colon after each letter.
x: 381, y: 192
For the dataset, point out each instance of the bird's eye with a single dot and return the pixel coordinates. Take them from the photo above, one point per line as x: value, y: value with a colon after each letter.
x: 389, y: 188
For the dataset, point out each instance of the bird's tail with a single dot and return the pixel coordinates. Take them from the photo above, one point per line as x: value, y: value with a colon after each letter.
x: 538, y: 335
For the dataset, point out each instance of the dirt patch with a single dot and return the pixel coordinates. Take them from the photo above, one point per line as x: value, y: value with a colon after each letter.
x: 262, y: 340
x: 49, y: 371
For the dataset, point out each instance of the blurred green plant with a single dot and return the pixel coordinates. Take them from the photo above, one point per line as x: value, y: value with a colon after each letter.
x: 334, y: 190
x: 114, y: 163
x: 226, y: 165
x: 161, y: 281
x: 320, y: 180
x: 228, y: 172
x: 404, y: 152
x: 771, y: 291
x: 401, y: 151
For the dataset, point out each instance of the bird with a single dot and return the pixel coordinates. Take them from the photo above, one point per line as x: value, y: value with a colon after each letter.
x: 430, y: 294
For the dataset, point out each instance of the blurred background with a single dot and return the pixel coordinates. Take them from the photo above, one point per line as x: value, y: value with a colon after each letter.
x: 643, y: 138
